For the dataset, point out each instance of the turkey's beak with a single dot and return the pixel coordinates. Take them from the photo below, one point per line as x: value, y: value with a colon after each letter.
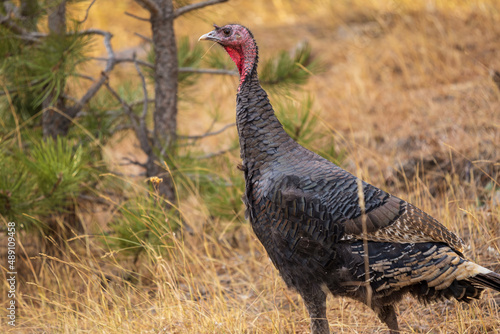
x: 211, y: 36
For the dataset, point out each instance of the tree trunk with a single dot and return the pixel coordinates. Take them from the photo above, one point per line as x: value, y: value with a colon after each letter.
x: 165, y: 114
x: 53, y: 122
x: 57, y: 18
x: 166, y: 68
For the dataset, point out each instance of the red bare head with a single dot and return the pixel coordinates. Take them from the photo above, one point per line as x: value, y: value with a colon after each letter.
x: 239, y: 44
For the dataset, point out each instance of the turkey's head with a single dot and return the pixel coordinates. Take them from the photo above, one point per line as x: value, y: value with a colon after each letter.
x: 239, y: 44
x: 230, y: 35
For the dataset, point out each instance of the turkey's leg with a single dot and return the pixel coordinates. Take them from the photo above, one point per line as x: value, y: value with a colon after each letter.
x: 315, y: 301
x: 387, y: 314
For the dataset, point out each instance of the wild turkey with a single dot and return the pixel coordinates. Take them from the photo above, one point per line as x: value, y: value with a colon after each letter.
x: 306, y: 212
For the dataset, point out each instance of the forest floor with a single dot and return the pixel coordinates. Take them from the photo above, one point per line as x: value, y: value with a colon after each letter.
x: 406, y: 91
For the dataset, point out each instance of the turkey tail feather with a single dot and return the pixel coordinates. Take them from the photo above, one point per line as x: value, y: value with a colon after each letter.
x: 490, y: 280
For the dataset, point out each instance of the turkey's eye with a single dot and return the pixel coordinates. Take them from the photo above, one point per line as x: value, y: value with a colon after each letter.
x: 226, y: 31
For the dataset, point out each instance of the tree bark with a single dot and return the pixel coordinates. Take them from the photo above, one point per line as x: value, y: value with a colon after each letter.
x: 165, y: 75
x: 53, y: 122
x: 166, y: 68
x: 57, y: 18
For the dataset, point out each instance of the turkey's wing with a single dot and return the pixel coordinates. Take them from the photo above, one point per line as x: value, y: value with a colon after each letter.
x: 332, y: 206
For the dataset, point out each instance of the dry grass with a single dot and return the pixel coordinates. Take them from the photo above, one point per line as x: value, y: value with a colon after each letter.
x: 406, y: 92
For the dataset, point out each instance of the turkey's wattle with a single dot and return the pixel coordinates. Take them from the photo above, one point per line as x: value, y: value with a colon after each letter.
x: 305, y: 210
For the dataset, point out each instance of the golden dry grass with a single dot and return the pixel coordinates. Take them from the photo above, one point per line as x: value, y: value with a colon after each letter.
x: 406, y: 92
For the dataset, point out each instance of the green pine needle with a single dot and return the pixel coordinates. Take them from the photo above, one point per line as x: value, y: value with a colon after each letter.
x: 289, y: 70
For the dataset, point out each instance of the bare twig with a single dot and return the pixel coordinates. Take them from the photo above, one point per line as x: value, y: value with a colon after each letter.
x: 140, y: 132
x: 207, y: 134
x: 75, y: 109
x: 149, y: 5
x: 185, y: 9
x: 87, y: 12
x: 136, y: 103
x: 126, y: 60
x: 144, y: 91
x: 181, y: 69
x: 28, y: 38
x: 9, y: 92
x: 84, y: 76
x: 7, y: 23
x: 133, y: 162
x: 122, y: 127
x: 215, y: 154
x: 140, y: 62
x: 110, y: 63
x: 37, y: 34
x: 137, y: 17
x: 147, y: 39
x: 128, y: 175
x: 71, y: 98
x: 125, y: 105
x: 98, y: 200
x: 210, y: 128
x: 111, y: 60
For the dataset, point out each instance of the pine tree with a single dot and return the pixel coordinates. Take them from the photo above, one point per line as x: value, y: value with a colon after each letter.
x: 36, y: 68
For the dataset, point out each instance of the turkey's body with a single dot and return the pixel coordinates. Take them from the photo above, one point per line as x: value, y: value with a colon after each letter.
x: 306, y: 213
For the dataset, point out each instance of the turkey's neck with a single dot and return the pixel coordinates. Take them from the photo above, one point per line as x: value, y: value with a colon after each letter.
x: 245, y: 57
x: 262, y: 137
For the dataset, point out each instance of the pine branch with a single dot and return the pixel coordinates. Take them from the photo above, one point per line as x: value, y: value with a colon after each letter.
x: 149, y: 5
x: 137, y: 17
x: 185, y: 9
x: 289, y: 68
